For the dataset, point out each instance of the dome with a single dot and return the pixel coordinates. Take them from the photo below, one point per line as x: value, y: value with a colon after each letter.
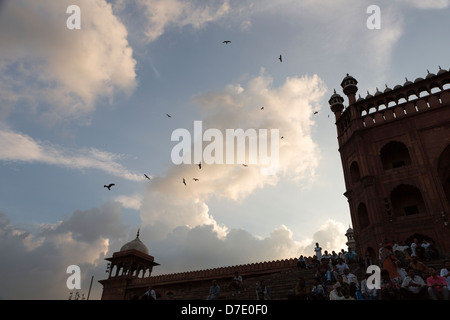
x: 441, y: 71
x: 349, y: 230
x: 369, y: 95
x: 348, y: 81
x: 407, y: 82
x: 378, y: 92
x: 387, y: 89
x: 135, y: 244
x: 429, y: 75
x: 335, y: 98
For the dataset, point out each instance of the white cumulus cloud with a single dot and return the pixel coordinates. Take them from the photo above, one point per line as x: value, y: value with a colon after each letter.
x: 57, y: 72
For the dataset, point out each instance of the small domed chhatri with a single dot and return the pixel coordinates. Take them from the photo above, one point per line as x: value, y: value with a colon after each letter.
x: 336, y: 103
x: 441, y: 71
x: 135, y: 244
x: 429, y: 75
x: 407, y: 83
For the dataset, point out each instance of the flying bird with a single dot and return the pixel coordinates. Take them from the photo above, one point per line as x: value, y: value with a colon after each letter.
x: 226, y: 41
x: 245, y: 165
x: 282, y: 137
x: 195, y: 179
x: 316, y: 112
x: 147, y: 176
x: 109, y: 186
x: 184, y: 181
x: 262, y: 108
x: 168, y: 115
x: 199, y: 165
x: 280, y: 58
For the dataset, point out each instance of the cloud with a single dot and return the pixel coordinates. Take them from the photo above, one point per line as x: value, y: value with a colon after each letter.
x: 18, y: 147
x: 131, y: 202
x: 37, y: 260
x: 59, y: 73
x: 288, y: 108
x: 187, y: 249
x: 330, y: 236
x: 169, y: 203
x: 157, y: 16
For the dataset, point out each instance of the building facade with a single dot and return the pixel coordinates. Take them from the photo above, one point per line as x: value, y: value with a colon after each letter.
x: 395, y: 152
x: 129, y: 277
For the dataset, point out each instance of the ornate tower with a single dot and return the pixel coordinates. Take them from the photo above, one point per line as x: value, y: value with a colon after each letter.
x: 395, y: 153
x: 350, y: 238
x: 127, y: 268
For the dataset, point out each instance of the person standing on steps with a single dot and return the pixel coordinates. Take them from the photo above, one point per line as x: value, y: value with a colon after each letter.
x: 318, y: 251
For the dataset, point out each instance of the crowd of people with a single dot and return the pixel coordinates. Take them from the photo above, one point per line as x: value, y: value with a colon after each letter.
x: 406, y: 273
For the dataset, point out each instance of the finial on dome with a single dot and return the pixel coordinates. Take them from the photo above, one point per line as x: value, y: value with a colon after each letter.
x: 334, y: 91
x: 137, y: 235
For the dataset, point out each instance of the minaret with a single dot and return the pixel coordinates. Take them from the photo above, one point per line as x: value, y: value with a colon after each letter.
x: 349, y: 86
x: 350, y: 238
x: 336, y: 104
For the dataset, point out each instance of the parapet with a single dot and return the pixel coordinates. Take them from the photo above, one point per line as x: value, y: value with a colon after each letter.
x: 221, y: 272
x: 409, y: 99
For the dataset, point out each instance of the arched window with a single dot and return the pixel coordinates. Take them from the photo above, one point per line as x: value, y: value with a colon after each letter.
x: 354, y: 172
x: 407, y: 200
x: 394, y: 154
x: 363, y: 216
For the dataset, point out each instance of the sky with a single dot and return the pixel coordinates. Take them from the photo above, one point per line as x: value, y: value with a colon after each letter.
x: 83, y: 108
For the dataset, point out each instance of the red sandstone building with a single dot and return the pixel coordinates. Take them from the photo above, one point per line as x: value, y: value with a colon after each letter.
x: 395, y: 152
x: 130, y: 276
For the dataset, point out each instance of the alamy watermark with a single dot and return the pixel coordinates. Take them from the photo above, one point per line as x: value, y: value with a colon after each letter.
x: 374, y: 280
x: 374, y: 20
x: 74, y: 280
x: 73, y: 22
x: 216, y: 152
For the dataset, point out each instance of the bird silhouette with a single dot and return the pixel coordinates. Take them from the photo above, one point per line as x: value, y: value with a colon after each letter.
x: 245, y: 165
x: 147, y: 176
x: 168, y: 115
x: 226, y: 41
x: 109, y: 186
x: 195, y: 179
x: 280, y: 58
x: 282, y: 137
x: 184, y: 181
x: 262, y: 108
x: 316, y: 112
x: 199, y: 165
